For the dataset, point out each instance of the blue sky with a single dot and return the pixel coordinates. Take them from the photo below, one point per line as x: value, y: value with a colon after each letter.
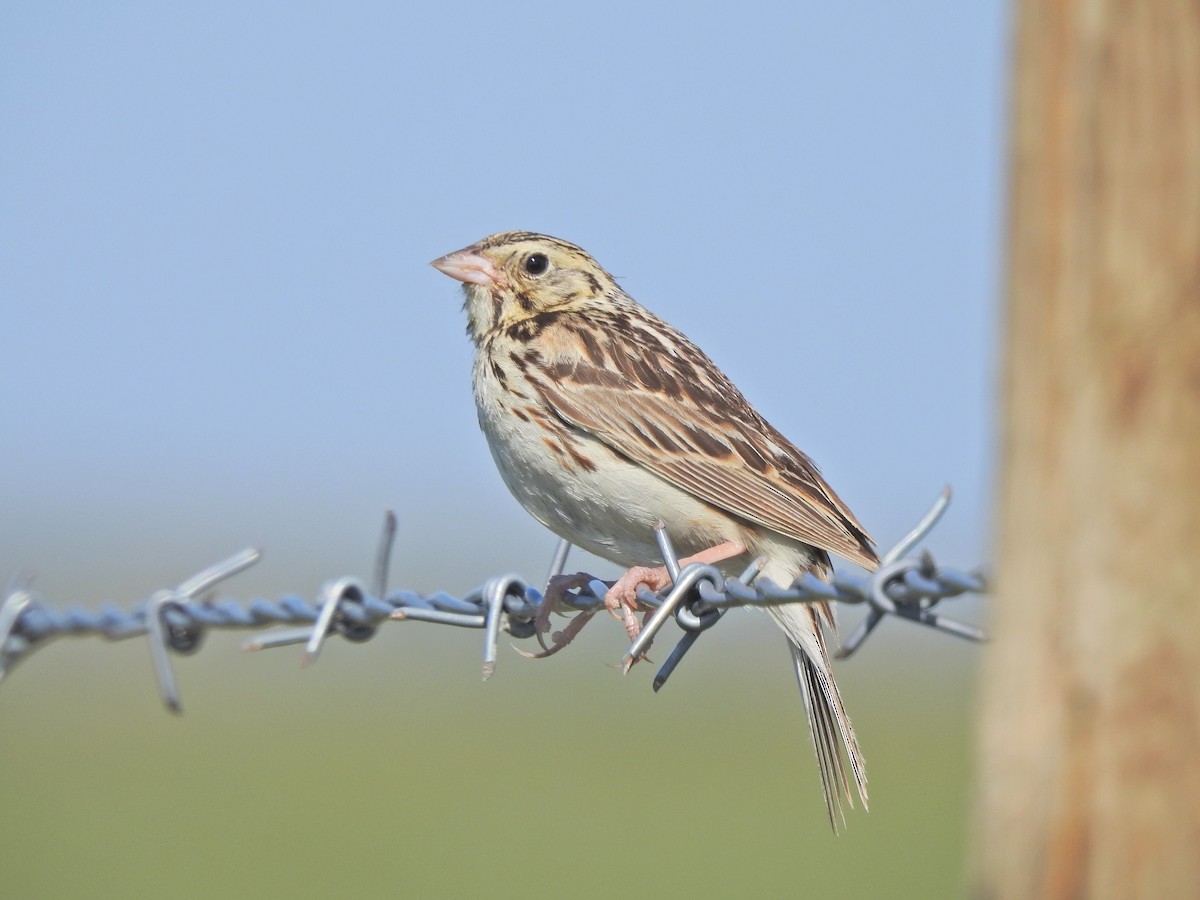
x: 221, y: 330
x: 216, y: 219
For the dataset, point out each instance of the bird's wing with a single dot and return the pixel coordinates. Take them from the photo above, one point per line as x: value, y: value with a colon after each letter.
x: 701, y: 435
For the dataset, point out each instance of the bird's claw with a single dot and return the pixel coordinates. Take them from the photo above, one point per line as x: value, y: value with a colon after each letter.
x: 556, y: 589
x: 621, y: 600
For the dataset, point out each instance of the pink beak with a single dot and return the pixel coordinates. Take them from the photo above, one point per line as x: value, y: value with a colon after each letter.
x: 469, y: 266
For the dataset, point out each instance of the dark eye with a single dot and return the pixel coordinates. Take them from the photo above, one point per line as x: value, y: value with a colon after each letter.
x: 536, y: 263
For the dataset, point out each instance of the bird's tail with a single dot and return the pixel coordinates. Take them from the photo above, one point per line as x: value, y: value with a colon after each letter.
x: 832, y: 733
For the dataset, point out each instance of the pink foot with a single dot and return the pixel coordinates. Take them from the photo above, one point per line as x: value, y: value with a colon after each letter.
x: 622, y: 595
x: 621, y: 599
x: 551, y: 600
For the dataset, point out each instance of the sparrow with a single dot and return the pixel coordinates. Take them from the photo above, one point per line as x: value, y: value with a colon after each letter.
x: 603, y: 420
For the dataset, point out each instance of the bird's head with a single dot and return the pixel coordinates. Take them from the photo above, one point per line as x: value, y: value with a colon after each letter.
x: 519, y: 275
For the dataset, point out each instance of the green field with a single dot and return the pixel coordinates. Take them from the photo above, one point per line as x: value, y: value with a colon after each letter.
x: 389, y: 769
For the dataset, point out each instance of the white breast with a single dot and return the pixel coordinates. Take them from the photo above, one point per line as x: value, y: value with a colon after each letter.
x: 609, y: 510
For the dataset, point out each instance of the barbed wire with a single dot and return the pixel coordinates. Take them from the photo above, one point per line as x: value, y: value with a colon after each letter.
x: 175, y: 619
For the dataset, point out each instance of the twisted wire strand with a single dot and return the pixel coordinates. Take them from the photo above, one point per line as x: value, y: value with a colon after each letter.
x: 175, y: 619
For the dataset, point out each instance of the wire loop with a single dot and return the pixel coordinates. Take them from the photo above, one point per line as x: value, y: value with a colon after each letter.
x: 177, y: 619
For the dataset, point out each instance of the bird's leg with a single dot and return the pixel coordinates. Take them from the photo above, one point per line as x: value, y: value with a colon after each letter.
x: 719, y: 553
x: 623, y: 594
x: 556, y: 589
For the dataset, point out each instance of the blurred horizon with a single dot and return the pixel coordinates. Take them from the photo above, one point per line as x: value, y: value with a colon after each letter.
x: 224, y: 332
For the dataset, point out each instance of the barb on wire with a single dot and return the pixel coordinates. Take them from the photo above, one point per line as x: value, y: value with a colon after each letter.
x: 175, y: 619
